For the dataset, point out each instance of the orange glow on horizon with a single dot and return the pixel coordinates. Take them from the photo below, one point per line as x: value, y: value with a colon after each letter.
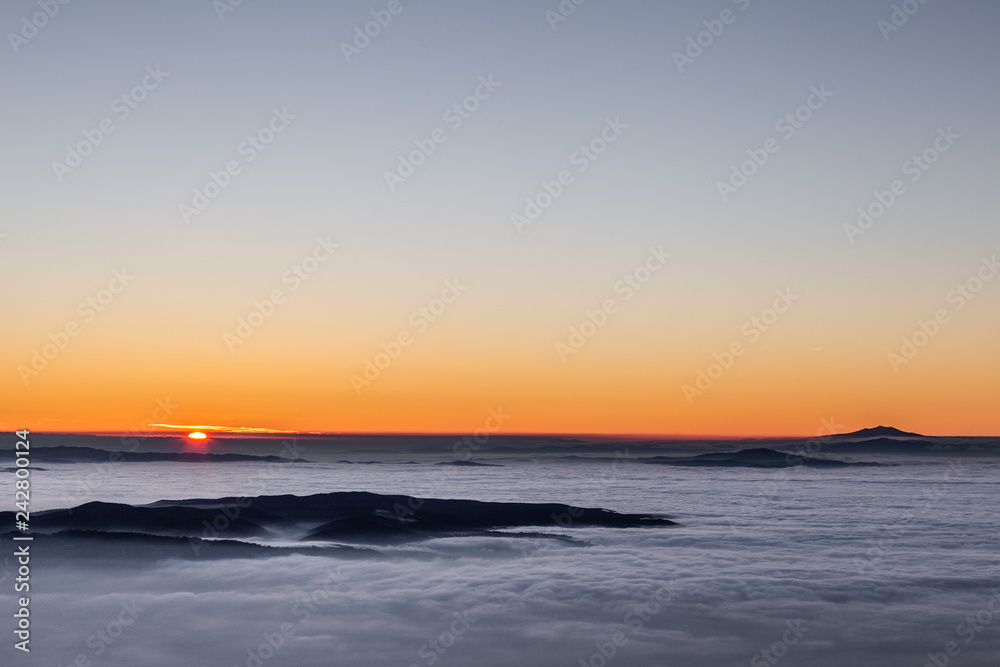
x: 620, y: 384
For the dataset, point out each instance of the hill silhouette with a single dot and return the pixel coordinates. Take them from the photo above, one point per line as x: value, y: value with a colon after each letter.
x: 759, y: 457
x: 74, y: 454
x: 879, y: 432
x: 343, y: 516
x: 887, y: 446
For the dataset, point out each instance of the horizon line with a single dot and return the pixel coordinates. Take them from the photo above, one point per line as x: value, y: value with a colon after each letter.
x: 233, y: 432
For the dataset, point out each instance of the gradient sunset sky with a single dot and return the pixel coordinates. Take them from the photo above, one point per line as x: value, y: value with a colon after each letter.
x: 554, y: 86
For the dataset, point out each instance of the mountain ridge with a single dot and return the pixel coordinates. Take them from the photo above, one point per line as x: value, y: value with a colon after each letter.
x: 879, y: 432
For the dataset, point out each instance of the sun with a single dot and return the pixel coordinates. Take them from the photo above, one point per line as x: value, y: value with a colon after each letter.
x: 197, y: 435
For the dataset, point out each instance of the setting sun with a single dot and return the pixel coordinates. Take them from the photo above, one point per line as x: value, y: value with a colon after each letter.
x: 197, y: 435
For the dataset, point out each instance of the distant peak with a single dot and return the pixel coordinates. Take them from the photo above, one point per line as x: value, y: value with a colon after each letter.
x: 880, y: 432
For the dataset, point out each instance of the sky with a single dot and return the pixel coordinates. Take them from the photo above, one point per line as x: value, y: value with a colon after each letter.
x: 640, y: 218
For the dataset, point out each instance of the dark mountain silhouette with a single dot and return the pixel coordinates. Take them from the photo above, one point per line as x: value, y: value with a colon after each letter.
x: 354, y: 516
x: 470, y: 463
x: 137, y: 549
x: 169, y: 521
x: 879, y: 432
x: 887, y: 446
x: 73, y: 454
x: 759, y: 457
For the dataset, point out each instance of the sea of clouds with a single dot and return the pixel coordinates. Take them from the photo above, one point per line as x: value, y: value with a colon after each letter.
x: 880, y: 567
